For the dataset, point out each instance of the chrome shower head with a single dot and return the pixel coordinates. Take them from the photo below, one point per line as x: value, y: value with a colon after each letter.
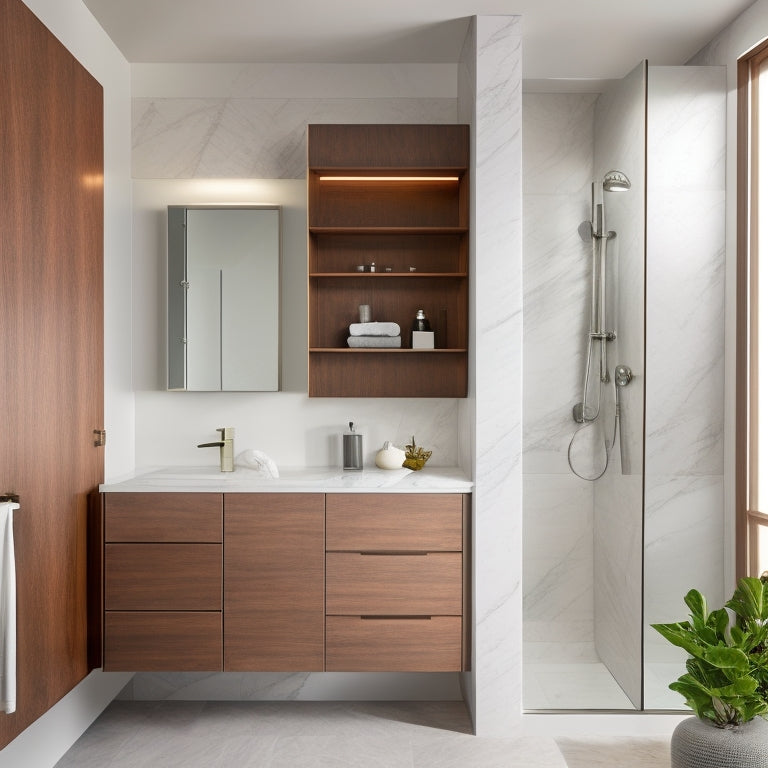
x: 615, y: 181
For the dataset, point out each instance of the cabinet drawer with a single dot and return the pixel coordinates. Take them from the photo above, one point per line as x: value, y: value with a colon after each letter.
x: 354, y: 644
x: 360, y: 585
x: 163, y: 517
x: 172, y: 577
x: 162, y: 641
x: 429, y: 522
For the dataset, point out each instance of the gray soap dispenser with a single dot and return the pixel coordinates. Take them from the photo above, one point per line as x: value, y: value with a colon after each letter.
x: 353, y: 449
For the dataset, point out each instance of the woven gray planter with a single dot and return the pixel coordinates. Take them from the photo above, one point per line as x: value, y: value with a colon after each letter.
x: 699, y: 744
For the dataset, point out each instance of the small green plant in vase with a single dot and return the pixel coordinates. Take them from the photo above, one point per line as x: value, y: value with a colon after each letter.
x: 726, y: 679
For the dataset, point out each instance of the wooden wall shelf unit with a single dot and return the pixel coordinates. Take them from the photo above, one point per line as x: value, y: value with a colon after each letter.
x: 396, y: 196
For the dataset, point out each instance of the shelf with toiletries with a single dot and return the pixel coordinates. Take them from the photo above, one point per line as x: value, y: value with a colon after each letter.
x: 388, y: 228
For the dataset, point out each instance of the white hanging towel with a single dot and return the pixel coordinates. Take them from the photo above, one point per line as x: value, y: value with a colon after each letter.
x: 7, y: 609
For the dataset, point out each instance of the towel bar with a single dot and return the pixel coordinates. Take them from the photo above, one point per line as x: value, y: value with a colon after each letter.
x: 10, y: 496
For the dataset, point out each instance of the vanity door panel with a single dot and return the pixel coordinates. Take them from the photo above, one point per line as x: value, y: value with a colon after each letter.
x: 372, y: 584
x: 274, y: 567
x: 429, y: 522
x: 387, y: 644
x: 156, y: 577
x: 175, y: 517
x: 162, y: 641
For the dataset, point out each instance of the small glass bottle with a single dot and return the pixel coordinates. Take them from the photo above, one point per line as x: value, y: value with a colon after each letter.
x: 420, y: 323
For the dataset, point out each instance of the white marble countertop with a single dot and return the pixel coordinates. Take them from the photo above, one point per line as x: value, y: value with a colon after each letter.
x: 294, y: 480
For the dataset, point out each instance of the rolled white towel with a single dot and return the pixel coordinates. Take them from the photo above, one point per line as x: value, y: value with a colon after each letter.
x: 373, y: 342
x: 374, y: 329
x: 258, y: 462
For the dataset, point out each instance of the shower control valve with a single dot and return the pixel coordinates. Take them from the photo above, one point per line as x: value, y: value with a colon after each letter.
x: 623, y: 375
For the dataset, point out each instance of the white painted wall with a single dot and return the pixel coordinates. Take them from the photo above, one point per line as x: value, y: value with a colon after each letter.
x: 43, y: 743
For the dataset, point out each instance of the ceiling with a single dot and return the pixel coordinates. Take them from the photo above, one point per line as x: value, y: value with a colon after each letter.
x: 561, y: 38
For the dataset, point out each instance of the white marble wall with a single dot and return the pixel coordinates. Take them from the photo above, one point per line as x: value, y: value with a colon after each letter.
x: 558, y: 605
x: 226, y: 124
x: 490, y: 98
x: 253, y: 137
x: 684, y: 523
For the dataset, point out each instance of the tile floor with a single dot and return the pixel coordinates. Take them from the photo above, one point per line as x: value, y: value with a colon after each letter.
x: 329, y: 734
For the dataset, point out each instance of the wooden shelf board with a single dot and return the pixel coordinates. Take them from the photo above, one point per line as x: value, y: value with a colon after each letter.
x: 388, y: 230
x: 376, y: 275
x: 387, y: 350
x: 400, y: 171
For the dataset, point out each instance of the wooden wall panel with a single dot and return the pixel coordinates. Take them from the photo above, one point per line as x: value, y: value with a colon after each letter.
x: 51, y: 336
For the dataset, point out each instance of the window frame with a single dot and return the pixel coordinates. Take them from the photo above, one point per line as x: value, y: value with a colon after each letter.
x: 749, y: 520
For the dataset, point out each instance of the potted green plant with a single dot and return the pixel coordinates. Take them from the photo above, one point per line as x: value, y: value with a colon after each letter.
x: 726, y: 680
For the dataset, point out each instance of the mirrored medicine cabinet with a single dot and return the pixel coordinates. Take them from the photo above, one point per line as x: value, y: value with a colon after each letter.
x: 224, y: 298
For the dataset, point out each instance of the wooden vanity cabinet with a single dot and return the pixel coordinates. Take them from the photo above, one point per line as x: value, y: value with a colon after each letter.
x: 286, y: 582
x: 273, y: 581
x: 162, y: 581
x: 396, y: 573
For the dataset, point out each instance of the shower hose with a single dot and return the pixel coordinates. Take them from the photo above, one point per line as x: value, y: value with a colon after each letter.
x: 609, y: 444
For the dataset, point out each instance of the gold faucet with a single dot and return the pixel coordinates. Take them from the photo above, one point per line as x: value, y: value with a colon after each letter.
x: 226, y: 448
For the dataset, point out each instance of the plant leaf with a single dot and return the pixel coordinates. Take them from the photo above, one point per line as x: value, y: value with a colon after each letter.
x: 682, y: 636
x: 698, y: 605
x: 731, y: 659
x: 750, y: 600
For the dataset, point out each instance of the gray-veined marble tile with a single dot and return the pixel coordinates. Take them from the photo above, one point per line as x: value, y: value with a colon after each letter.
x: 684, y: 531
x: 557, y: 130
x: 245, y: 138
x: 686, y: 121
x: 685, y: 379
x: 608, y: 752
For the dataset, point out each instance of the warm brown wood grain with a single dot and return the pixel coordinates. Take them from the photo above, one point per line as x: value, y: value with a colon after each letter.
x: 393, y: 645
x: 365, y: 585
x: 162, y: 577
x: 366, y: 373
x: 51, y: 338
x: 401, y: 224
x: 169, y: 517
x: 273, y: 582
x: 466, y: 565
x: 95, y: 579
x: 432, y: 254
x: 388, y: 146
x: 162, y: 641
x: 394, y: 299
x: 428, y: 522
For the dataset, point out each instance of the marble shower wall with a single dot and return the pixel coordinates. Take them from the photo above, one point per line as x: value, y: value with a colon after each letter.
x: 558, y: 603
x: 585, y: 543
x: 684, y: 504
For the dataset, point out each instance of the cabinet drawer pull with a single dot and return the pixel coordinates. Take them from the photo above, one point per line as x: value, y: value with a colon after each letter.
x: 397, y: 552
x: 396, y: 618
